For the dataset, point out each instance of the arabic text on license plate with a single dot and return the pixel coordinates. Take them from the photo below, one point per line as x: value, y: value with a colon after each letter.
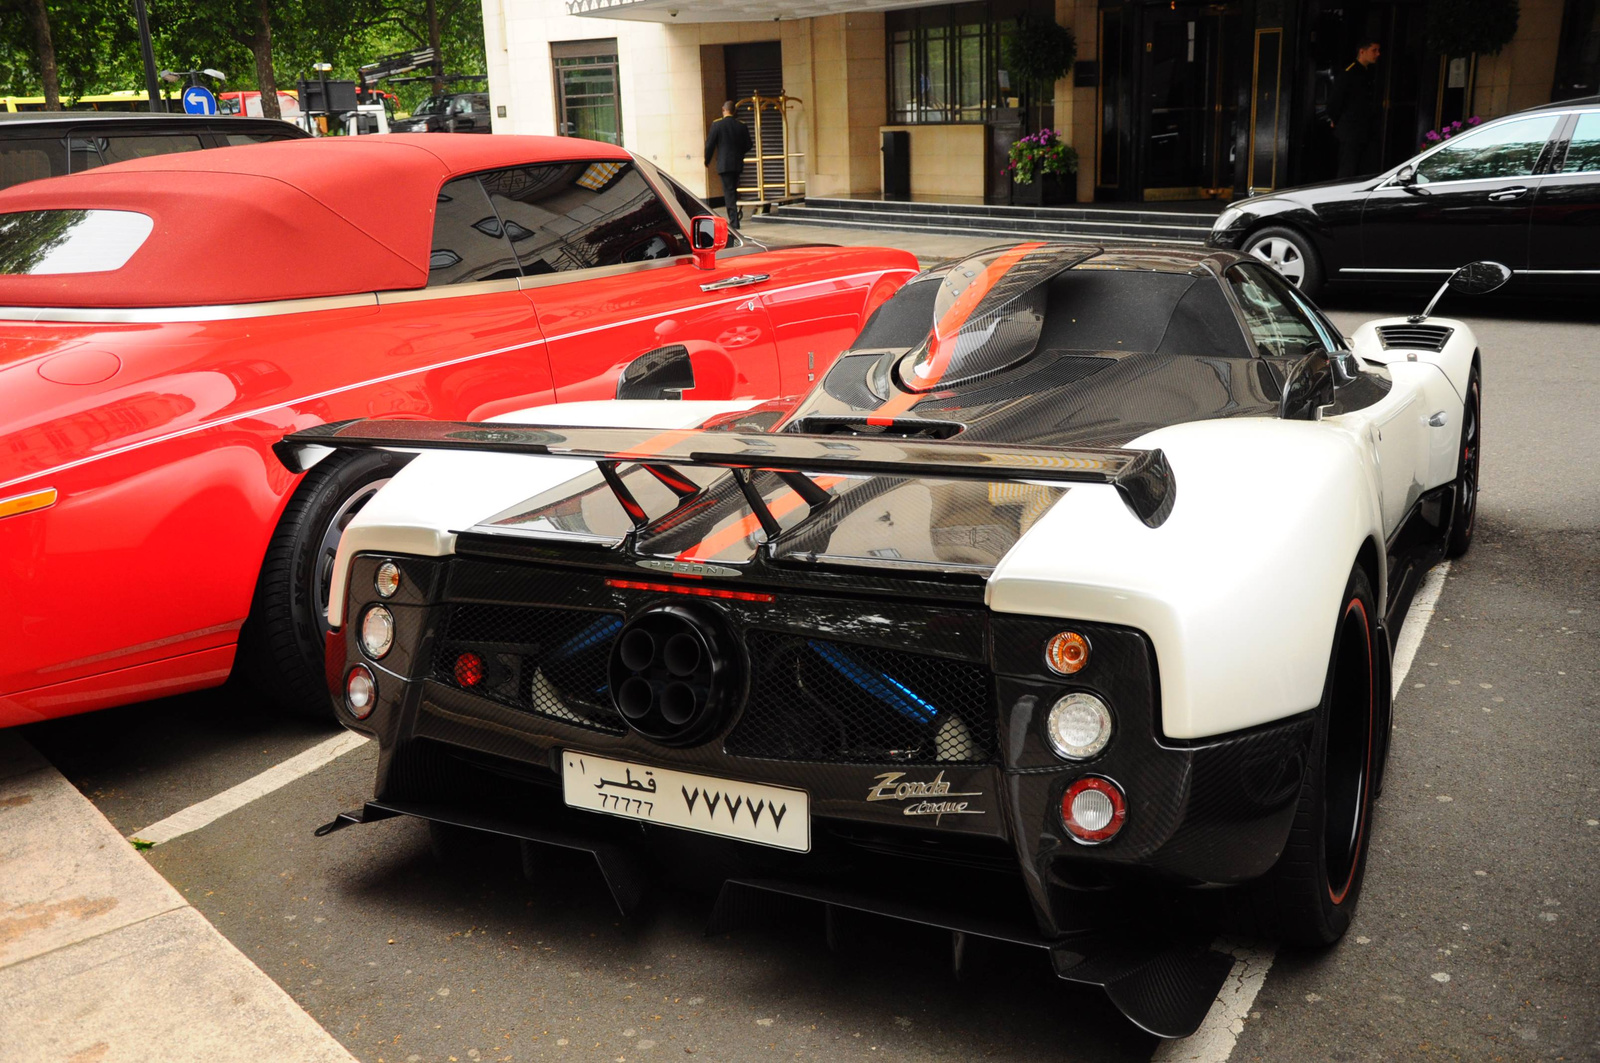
x: 752, y: 812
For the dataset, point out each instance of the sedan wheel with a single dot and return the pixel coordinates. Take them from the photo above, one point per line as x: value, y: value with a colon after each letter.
x: 1290, y: 253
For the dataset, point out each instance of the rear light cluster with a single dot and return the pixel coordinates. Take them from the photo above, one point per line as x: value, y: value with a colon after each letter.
x: 360, y: 692
x: 1093, y: 810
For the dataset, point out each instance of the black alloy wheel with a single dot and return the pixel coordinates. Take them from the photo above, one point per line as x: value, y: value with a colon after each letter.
x: 1288, y: 251
x: 1464, y: 515
x: 1309, y: 896
x: 282, y: 646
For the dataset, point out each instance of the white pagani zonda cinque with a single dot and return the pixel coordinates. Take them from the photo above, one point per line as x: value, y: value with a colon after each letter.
x: 1067, y: 587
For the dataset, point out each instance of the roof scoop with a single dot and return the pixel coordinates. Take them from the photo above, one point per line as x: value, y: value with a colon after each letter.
x: 988, y: 315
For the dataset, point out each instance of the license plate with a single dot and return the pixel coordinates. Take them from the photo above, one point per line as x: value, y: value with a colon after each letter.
x: 751, y: 812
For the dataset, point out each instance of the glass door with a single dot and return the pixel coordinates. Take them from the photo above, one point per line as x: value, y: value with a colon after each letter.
x: 1189, y: 101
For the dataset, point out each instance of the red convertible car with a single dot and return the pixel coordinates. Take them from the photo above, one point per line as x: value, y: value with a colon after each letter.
x: 164, y: 322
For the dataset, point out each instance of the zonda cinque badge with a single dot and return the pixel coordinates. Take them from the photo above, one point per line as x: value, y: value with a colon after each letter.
x: 689, y: 568
x: 890, y: 788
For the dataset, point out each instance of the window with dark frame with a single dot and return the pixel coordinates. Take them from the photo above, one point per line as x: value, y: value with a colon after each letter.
x: 588, y: 101
x: 945, y: 63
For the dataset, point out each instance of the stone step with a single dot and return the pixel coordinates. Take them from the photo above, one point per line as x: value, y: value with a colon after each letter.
x: 971, y: 225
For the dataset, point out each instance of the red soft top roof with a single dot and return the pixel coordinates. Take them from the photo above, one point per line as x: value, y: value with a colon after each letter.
x: 288, y: 220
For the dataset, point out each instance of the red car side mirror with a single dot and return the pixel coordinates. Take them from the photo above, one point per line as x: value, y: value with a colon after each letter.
x: 710, y: 235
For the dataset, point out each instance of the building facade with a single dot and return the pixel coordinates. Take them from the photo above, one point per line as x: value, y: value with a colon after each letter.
x: 1169, y: 99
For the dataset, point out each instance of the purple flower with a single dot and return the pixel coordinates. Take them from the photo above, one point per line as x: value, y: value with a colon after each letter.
x: 1455, y: 125
x: 1474, y: 120
x: 1431, y: 135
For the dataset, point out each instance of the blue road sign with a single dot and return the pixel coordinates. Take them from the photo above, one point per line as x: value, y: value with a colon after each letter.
x: 197, y: 100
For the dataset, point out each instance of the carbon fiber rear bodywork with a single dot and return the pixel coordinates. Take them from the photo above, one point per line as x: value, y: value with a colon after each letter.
x: 850, y: 700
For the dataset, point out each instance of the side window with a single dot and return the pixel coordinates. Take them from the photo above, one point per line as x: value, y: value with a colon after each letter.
x: 1277, y: 327
x: 468, y: 244
x: 1583, y: 153
x: 1510, y: 149
x: 30, y: 160
x: 89, y: 152
x: 579, y: 215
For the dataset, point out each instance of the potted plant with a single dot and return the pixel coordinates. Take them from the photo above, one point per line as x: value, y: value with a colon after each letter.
x: 1042, y: 170
x: 1448, y: 130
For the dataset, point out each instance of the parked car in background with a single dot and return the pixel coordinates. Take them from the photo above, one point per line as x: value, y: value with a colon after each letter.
x: 39, y: 144
x: 1523, y: 190
x: 456, y: 112
x: 166, y: 321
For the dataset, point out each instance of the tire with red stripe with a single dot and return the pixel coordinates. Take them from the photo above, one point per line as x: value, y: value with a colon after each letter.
x: 1309, y: 896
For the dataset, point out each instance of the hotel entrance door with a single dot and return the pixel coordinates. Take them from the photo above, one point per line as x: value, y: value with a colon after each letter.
x: 1190, y: 100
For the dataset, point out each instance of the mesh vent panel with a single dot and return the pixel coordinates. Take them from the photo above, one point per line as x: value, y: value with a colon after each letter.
x: 811, y: 699
x: 1416, y: 337
x: 541, y: 660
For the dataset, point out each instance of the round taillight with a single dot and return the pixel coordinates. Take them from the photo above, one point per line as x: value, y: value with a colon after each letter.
x: 386, y: 580
x: 360, y: 692
x: 1078, y: 726
x: 469, y: 670
x: 1066, y: 653
x: 1093, y: 810
x: 377, y: 631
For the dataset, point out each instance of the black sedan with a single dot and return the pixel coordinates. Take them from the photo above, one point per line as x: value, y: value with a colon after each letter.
x: 1523, y: 190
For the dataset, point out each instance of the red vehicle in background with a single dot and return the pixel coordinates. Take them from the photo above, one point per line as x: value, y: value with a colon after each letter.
x: 165, y: 322
x: 248, y: 103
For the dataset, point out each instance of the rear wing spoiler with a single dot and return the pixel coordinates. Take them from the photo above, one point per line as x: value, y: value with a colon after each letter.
x: 1142, y: 477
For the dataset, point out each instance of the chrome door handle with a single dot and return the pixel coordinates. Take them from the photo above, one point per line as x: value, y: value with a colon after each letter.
x: 1508, y: 193
x: 742, y: 280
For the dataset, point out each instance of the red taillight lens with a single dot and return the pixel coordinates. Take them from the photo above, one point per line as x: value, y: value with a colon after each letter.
x: 469, y: 670
x: 698, y: 592
x: 1093, y: 809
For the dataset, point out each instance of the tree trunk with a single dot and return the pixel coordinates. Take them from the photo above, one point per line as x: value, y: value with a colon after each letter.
x: 261, y: 46
x: 47, y: 56
x: 438, y: 49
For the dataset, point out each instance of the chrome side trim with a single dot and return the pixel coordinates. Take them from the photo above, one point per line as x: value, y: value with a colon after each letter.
x: 572, y: 276
x: 448, y: 291
x: 1562, y: 272
x: 169, y: 314
x: 1435, y: 272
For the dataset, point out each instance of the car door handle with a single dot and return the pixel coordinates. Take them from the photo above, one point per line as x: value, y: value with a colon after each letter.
x: 1504, y: 194
x: 741, y: 281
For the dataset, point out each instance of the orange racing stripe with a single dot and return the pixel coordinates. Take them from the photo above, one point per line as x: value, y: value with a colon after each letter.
x: 946, y: 329
x: 742, y: 529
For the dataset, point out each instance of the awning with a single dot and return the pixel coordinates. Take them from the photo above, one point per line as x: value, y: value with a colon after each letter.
x: 727, y: 10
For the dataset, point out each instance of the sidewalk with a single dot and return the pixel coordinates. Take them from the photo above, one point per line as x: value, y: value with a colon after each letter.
x: 101, y: 961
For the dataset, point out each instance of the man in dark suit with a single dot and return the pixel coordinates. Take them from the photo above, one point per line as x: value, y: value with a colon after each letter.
x: 727, y: 144
x: 1355, y: 108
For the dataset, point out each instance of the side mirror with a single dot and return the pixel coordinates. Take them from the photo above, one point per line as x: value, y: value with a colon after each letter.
x: 1406, y: 176
x: 664, y: 373
x: 1475, y: 278
x: 1309, y: 388
x: 1479, y: 278
x: 708, y: 234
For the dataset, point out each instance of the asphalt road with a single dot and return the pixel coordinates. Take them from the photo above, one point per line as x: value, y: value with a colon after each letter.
x: 1476, y: 938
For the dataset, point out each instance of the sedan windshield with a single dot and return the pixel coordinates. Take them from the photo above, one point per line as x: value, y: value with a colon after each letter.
x: 433, y: 105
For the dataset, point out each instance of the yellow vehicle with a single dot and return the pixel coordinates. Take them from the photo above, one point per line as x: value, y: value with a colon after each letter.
x: 121, y: 100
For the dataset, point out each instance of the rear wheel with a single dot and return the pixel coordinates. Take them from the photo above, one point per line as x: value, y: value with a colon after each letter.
x: 1465, y: 514
x: 1310, y: 894
x: 281, y: 649
x: 1288, y: 251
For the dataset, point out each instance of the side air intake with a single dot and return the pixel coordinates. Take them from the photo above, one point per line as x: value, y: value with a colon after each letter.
x: 1414, y: 337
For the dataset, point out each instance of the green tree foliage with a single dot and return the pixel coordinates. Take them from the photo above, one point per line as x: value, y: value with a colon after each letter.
x: 253, y: 41
x: 95, y: 44
x: 26, y: 237
x: 1462, y: 27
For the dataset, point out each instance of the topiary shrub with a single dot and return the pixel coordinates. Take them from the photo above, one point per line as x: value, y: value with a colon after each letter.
x: 1040, y: 53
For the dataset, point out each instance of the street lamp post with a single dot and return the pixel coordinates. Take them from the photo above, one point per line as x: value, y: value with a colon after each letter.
x: 157, y: 103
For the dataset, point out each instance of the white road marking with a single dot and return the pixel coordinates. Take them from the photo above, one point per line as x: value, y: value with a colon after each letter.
x: 1219, y: 1032
x: 236, y: 797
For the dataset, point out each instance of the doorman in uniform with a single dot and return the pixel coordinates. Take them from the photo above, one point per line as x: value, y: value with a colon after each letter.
x: 1356, y: 110
x: 727, y: 144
